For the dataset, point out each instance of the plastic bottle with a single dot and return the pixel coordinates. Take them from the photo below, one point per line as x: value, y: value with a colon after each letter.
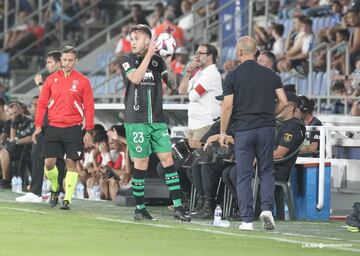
x: 217, y: 216
x: 286, y: 212
x: 13, y: 184
x: 80, y: 190
x: 96, y: 192
x: 19, y: 185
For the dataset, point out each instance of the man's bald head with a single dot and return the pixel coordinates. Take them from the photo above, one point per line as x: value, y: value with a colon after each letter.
x: 247, y: 45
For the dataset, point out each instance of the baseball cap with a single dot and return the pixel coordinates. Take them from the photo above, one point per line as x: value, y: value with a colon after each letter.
x: 292, y: 98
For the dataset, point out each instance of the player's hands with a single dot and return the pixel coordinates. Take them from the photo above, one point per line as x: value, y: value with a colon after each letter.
x: 38, y: 79
x: 36, y: 133
x: 152, y: 48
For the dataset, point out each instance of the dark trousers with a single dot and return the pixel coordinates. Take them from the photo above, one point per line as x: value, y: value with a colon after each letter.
x: 37, y: 167
x: 249, y: 144
x: 229, y: 178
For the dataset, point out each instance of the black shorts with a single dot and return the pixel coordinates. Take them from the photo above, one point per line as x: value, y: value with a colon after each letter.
x: 63, y: 140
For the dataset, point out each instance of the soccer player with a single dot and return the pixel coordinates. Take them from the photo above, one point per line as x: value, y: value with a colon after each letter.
x: 68, y: 96
x: 143, y: 71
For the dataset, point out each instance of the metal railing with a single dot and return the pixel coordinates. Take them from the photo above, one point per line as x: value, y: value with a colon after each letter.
x: 328, y: 64
x: 311, y: 66
x: 106, y: 32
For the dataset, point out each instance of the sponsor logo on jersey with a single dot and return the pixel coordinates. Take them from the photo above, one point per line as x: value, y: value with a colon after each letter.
x: 126, y: 66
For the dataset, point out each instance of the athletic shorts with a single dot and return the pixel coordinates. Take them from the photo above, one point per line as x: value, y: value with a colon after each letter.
x: 59, y: 141
x: 144, y: 139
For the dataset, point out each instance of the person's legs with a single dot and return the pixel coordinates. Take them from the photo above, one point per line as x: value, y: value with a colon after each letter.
x: 245, y: 155
x: 5, y: 164
x: 37, y: 166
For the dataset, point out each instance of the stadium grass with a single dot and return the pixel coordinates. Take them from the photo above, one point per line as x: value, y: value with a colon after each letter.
x: 101, y: 228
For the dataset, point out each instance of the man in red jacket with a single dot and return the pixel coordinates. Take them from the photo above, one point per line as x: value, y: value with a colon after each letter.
x: 68, y: 96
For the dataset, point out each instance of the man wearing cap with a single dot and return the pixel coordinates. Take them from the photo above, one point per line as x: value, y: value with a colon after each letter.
x: 288, y: 139
x: 202, y: 82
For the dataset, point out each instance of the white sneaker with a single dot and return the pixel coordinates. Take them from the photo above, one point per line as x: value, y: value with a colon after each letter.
x: 246, y: 226
x: 267, y: 220
x: 29, y: 198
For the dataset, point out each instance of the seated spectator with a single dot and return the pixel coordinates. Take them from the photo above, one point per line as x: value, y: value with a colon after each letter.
x: 168, y: 26
x: 22, y: 128
x: 297, y: 56
x: 267, y: 59
x: 17, y: 31
x: 157, y: 17
x: 352, y: 21
x: 338, y: 89
x: 3, y: 119
x: 279, y: 44
x: 187, y: 19
x: 263, y: 37
x: 137, y: 15
x: 123, y: 45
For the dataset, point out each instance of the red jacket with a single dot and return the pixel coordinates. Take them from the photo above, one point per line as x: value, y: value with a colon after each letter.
x: 68, y: 100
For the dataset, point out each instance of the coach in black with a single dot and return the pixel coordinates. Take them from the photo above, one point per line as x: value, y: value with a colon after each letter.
x: 250, y: 91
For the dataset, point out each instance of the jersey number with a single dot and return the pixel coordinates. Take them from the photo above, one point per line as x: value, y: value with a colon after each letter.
x: 138, y: 137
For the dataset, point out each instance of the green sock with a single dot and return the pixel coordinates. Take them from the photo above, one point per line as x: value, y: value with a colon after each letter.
x: 52, y: 176
x: 70, y: 184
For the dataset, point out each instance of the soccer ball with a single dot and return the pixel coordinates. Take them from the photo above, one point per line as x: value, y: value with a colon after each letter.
x: 166, y: 44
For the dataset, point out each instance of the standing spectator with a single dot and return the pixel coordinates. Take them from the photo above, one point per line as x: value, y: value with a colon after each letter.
x: 53, y: 64
x: 249, y: 96
x: 202, y: 89
x: 71, y: 100
x: 168, y: 26
x: 20, y: 135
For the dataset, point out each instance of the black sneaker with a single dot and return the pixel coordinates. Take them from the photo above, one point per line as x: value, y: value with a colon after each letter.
x: 65, y: 205
x: 180, y: 214
x: 142, y: 215
x: 54, y: 198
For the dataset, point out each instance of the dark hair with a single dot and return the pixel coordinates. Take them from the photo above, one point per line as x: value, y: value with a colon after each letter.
x: 2, y: 102
x: 345, y: 33
x: 211, y: 50
x: 98, y: 128
x: 70, y: 49
x: 138, y: 6
x: 35, y: 97
x: 101, y: 137
x: 338, y: 85
x: 307, y: 21
x: 56, y: 55
x: 306, y: 105
x: 279, y: 29
x: 120, y: 130
x: 270, y: 56
x: 142, y: 28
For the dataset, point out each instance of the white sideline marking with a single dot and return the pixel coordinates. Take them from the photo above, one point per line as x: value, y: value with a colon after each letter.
x: 136, y: 223
x: 278, y: 239
x: 23, y: 210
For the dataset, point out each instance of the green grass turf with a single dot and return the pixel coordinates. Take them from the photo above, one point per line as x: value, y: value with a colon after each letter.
x: 101, y: 228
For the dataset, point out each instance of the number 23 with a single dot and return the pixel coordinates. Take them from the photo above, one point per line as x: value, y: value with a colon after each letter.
x: 138, y: 137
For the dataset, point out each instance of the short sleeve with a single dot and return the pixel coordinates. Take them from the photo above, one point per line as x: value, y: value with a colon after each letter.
x: 278, y: 82
x: 291, y: 137
x: 127, y: 64
x: 229, y: 84
x: 161, y: 66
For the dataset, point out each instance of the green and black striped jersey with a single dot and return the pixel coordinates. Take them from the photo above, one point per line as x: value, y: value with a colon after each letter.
x: 143, y: 102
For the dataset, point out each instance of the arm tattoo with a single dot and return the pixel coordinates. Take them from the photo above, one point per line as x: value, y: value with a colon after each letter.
x: 170, y: 79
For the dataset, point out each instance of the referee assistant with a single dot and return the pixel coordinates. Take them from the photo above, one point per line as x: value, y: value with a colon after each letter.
x: 250, y: 91
x: 68, y: 96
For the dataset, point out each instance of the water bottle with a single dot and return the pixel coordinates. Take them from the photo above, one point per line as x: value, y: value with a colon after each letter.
x: 19, y: 185
x: 13, y: 184
x: 286, y: 212
x: 44, y: 187
x: 96, y: 192
x: 217, y: 216
x: 80, y: 190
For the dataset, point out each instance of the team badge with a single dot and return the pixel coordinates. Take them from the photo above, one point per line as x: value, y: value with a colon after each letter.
x: 126, y: 66
x: 138, y: 149
x: 74, y: 85
x: 287, y: 137
x: 154, y: 63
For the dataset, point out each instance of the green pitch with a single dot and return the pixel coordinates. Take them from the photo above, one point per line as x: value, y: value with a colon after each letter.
x: 101, y: 228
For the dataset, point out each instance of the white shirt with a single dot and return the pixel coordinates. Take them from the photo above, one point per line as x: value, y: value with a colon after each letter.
x: 279, y: 46
x: 203, y: 107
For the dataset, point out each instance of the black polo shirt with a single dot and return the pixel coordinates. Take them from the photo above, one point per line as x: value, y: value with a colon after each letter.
x: 253, y: 87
